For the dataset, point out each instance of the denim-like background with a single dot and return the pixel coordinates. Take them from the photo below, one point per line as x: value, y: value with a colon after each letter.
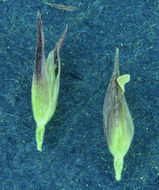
x: 75, y: 155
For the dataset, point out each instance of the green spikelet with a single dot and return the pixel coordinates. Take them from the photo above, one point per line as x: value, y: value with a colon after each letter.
x: 45, y: 84
x: 118, y: 124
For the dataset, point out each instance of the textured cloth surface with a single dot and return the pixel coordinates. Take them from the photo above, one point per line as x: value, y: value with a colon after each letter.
x: 75, y: 155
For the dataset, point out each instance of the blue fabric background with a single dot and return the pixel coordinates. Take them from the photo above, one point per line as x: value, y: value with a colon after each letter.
x: 75, y: 155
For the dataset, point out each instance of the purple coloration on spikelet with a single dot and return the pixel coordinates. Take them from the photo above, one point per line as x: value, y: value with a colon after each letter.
x: 40, y: 56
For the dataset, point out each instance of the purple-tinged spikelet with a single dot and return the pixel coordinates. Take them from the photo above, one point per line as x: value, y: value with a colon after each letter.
x: 118, y: 124
x: 45, y: 84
